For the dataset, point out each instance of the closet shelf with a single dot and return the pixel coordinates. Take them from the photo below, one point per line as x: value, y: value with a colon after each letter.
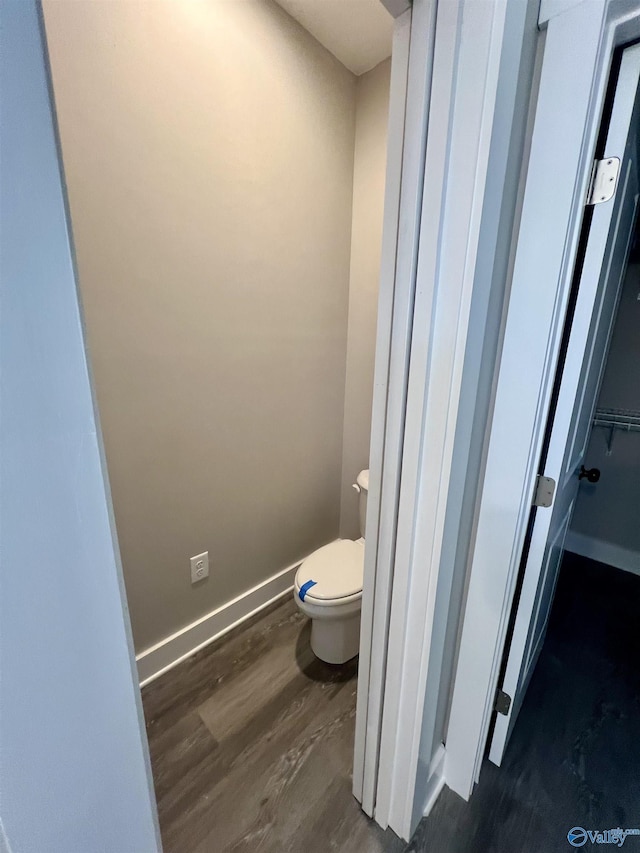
x: 617, y: 419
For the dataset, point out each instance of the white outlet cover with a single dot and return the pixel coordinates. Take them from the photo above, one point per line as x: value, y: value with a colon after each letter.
x: 199, y: 567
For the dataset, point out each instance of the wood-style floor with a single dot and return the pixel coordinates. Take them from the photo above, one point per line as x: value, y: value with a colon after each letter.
x: 574, y: 756
x: 251, y: 741
x: 251, y: 746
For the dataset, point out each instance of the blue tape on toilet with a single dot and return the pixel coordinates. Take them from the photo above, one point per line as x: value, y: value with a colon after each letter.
x: 304, y: 589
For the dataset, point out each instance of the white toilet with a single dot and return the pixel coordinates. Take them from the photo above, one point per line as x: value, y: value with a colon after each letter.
x: 328, y: 589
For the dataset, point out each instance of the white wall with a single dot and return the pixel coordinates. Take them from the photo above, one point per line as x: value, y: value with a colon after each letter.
x: 74, y: 771
x: 605, y: 521
x: 372, y: 108
x: 208, y: 150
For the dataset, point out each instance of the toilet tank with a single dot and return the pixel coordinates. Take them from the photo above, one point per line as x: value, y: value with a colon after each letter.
x: 363, y: 487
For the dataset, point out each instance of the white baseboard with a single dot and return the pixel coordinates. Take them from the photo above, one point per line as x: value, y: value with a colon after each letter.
x: 436, y: 780
x: 166, y: 654
x: 603, y: 552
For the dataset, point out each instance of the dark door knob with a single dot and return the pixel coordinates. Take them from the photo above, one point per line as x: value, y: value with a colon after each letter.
x: 592, y: 474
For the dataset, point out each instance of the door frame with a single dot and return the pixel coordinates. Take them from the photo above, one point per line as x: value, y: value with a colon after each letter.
x: 408, y: 108
x: 580, y: 40
x: 601, y: 271
x: 465, y: 66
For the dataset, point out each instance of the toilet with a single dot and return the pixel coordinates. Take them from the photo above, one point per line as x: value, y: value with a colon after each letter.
x: 328, y: 589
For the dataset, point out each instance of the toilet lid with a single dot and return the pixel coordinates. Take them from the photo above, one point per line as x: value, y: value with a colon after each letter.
x: 337, y: 570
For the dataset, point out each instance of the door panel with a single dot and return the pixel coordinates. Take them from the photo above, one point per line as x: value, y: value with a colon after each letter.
x: 546, y: 590
x: 537, y: 626
x: 602, y: 325
x: 598, y: 294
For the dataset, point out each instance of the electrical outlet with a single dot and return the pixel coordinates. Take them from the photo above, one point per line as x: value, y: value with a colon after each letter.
x: 199, y: 567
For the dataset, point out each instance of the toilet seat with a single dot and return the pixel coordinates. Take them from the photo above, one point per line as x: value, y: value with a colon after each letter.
x: 332, y: 575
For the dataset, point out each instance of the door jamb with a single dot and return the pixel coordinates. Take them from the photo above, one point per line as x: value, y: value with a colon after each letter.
x: 403, y: 196
x: 464, y: 96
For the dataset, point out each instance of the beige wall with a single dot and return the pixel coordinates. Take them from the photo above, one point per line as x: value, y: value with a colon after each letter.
x: 208, y: 149
x: 372, y: 106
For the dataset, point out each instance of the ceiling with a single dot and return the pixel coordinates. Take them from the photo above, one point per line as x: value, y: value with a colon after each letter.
x: 356, y: 32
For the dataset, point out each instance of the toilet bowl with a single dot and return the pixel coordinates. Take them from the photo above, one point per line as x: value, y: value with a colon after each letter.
x: 328, y: 589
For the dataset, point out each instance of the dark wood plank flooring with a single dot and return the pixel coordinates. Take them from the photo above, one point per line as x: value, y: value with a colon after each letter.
x: 251, y: 745
x: 574, y: 757
x: 251, y: 741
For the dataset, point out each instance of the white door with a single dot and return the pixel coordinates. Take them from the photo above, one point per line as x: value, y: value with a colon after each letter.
x: 602, y: 274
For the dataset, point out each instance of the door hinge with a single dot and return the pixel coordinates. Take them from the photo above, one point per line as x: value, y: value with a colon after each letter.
x: 502, y: 703
x: 545, y: 488
x: 604, y: 179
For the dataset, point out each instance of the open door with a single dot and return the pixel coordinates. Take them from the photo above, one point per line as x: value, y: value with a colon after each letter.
x: 577, y: 385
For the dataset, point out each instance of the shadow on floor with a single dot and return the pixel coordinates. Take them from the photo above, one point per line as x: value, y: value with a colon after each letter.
x: 574, y: 756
